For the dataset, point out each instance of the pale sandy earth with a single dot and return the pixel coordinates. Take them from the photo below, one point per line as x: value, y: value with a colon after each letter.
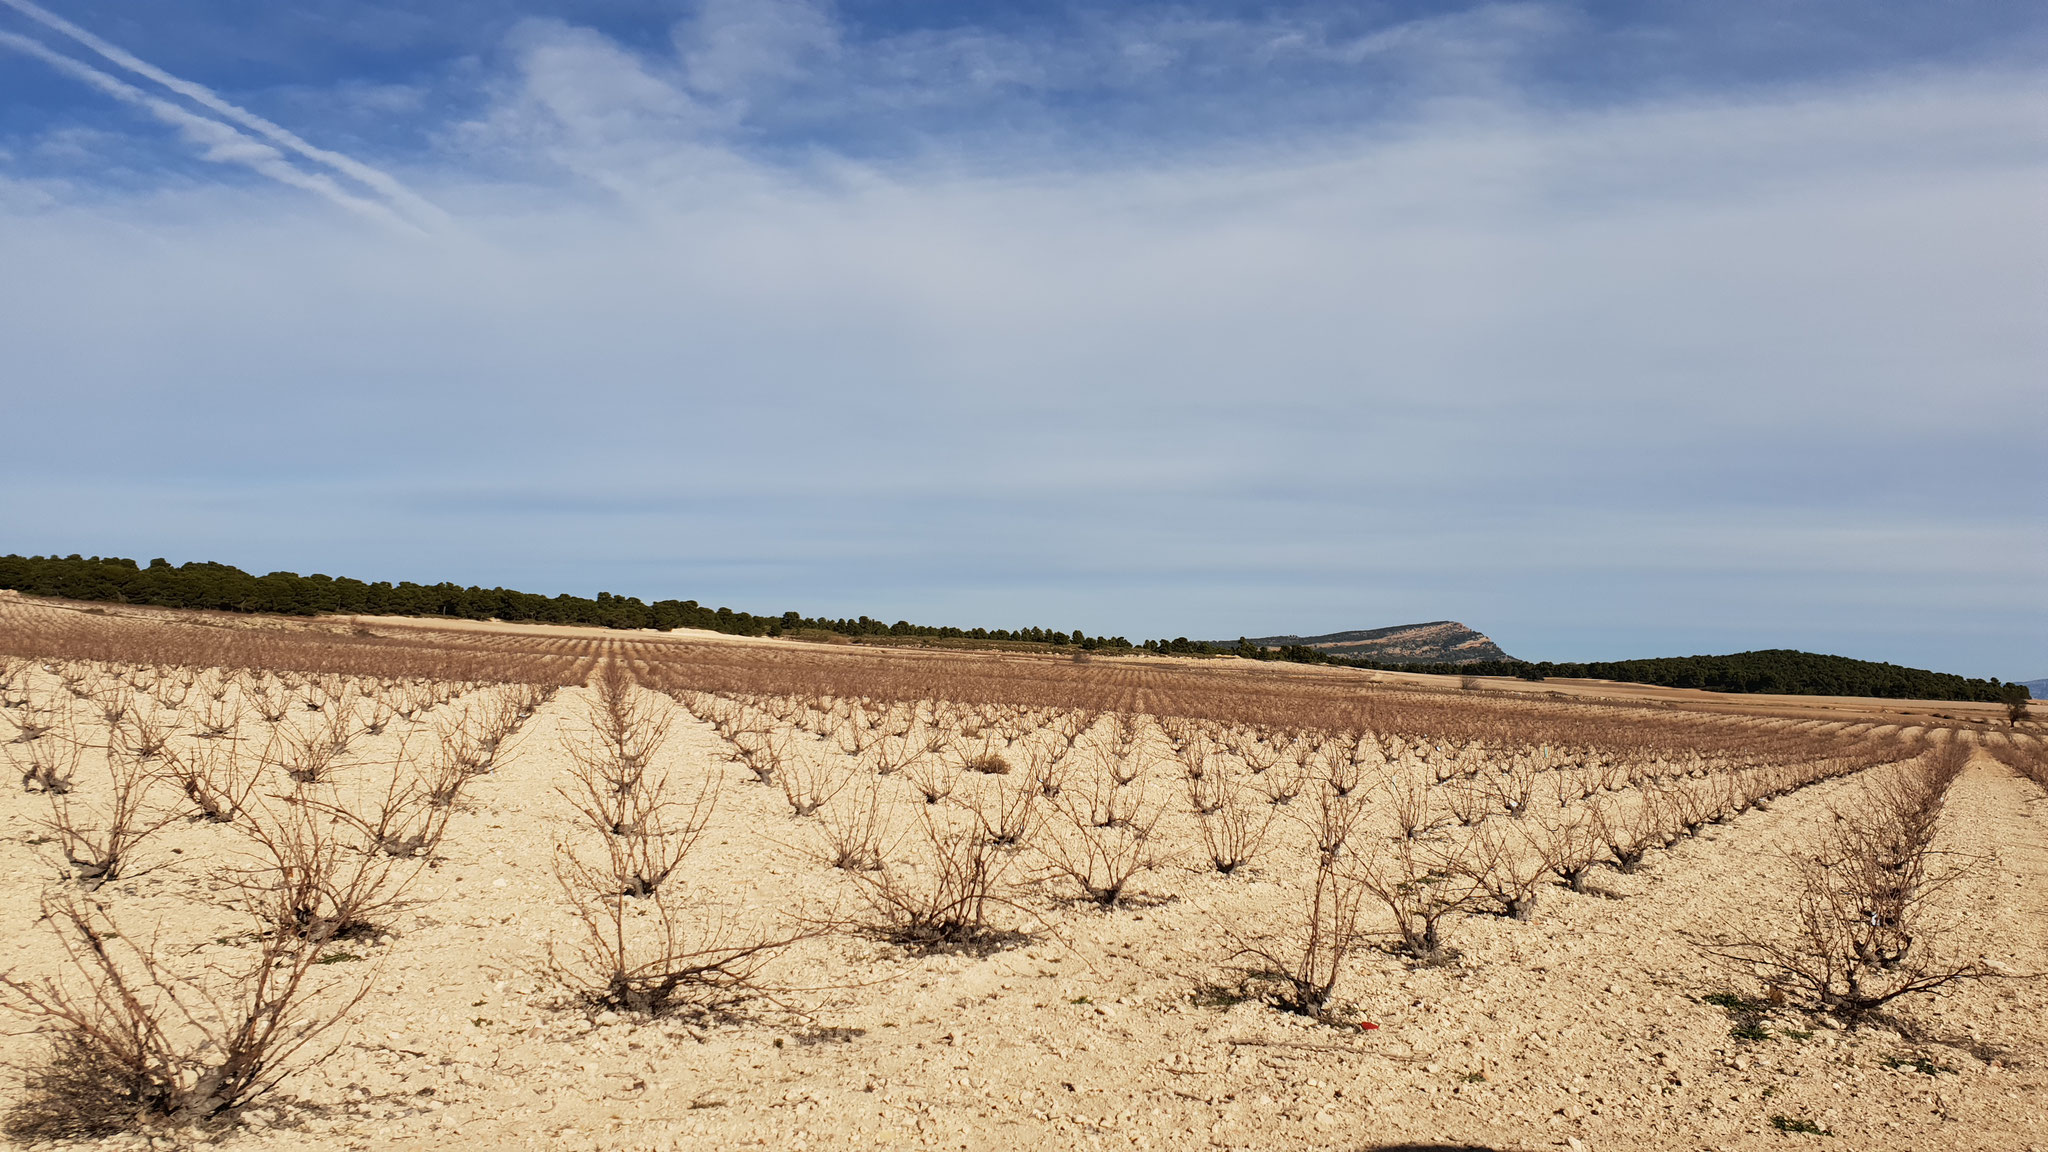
x: 1585, y: 1024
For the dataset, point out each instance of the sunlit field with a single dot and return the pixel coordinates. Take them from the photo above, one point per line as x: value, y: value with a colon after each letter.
x: 341, y: 883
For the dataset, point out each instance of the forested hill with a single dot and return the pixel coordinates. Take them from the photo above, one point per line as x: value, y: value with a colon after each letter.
x: 223, y: 588
x: 1771, y: 670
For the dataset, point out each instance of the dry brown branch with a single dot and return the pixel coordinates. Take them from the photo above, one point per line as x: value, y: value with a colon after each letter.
x: 99, y: 842
x: 933, y: 778
x: 444, y: 774
x: 132, y: 1043
x: 212, y: 777
x: 171, y: 694
x: 114, y: 706
x: 218, y: 718
x: 761, y: 752
x: 314, y: 877
x: 1571, y: 846
x: 47, y: 762
x: 480, y: 732
x: 404, y: 822
x: 893, y: 751
x: 853, y: 833
x: 615, y: 784
x: 1340, y: 772
x: 1046, y: 772
x: 1469, y: 803
x: 1506, y: 863
x: 1106, y: 804
x: 1417, y: 805
x: 1835, y: 959
x: 1105, y: 841
x: 628, y: 728
x: 643, y: 835
x: 936, y: 889
x: 1236, y: 831
x: 1685, y: 804
x: 659, y: 955
x: 1306, y: 962
x: 1869, y: 926
x: 1010, y: 816
x: 305, y: 756
x: 1211, y: 788
x: 1629, y: 827
x: 33, y: 720
x: 1124, y: 754
x: 1421, y: 883
x: 13, y: 671
x: 1511, y: 788
x: 646, y: 946
x: 1281, y: 783
x: 141, y: 735
x: 271, y: 702
x: 810, y: 783
x: 2028, y: 757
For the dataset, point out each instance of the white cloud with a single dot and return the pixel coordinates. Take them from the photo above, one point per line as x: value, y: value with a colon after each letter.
x: 737, y: 48
x: 1709, y: 368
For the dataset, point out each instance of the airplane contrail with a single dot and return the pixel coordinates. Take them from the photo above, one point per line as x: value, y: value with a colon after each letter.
x: 219, y: 142
x: 199, y: 94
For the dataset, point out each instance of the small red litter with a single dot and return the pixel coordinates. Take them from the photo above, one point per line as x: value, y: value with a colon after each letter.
x: 1367, y: 1026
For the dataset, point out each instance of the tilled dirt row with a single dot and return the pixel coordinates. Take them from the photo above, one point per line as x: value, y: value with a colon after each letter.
x: 1115, y: 1029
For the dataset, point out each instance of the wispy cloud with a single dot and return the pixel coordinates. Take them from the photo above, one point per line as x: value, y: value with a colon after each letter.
x: 217, y: 142
x: 739, y: 48
x: 272, y: 165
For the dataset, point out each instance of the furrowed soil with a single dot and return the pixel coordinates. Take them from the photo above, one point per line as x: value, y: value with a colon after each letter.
x: 1585, y: 1027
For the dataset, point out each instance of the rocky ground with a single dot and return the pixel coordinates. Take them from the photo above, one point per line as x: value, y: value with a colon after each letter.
x: 1588, y: 1027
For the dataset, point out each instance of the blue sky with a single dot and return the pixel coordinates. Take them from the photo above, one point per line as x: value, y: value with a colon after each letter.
x: 1611, y: 330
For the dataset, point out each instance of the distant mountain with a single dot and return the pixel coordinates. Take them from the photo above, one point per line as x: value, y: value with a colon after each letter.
x: 2038, y: 689
x: 1437, y: 642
